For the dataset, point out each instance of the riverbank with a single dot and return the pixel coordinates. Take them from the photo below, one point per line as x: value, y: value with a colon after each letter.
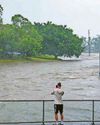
x: 42, y: 58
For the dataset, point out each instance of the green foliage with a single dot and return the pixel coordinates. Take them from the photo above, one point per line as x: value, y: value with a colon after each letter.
x: 6, y: 39
x: 20, y: 21
x: 59, y: 40
x: 26, y: 39
x: 16, y: 39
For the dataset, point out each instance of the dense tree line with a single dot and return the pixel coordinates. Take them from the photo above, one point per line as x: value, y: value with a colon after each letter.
x: 59, y: 40
x: 27, y: 39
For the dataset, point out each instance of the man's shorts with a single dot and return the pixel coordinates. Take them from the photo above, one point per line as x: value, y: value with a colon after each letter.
x: 58, y: 108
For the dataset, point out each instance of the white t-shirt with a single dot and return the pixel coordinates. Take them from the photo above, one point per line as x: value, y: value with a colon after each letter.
x: 58, y: 93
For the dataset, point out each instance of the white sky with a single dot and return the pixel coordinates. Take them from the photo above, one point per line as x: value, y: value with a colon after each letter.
x: 80, y: 15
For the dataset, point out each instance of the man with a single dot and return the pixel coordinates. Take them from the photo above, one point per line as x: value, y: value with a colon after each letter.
x: 58, y: 104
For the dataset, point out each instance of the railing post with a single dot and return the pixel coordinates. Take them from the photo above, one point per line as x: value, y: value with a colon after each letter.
x: 93, y: 112
x: 43, y: 115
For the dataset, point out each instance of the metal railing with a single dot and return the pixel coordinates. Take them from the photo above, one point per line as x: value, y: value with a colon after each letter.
x: 43, y: 121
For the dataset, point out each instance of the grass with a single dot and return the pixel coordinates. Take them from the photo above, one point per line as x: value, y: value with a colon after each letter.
x: 42, y: 58
x: 11, y: 60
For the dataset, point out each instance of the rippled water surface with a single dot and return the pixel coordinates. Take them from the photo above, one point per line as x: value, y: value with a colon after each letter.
x: 35, y: 80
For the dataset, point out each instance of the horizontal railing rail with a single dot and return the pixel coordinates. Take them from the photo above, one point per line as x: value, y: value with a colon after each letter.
x: 43, y: 121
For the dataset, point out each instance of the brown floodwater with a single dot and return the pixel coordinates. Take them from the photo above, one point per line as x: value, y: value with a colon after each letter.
x: 35, y: 80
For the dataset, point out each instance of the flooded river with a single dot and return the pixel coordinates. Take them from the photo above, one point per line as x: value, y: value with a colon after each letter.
x: 35, y: 80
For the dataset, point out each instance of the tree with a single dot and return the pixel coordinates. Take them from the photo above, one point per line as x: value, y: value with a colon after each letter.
x: 19, y: 20
x: 59, y: 40
x: 19, y: 40
x: 29, y: 40
x: 1, y: 13
x: 7, y: 43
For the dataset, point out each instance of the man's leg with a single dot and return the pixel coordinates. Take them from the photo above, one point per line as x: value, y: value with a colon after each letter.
x: 61, y: 114
x: 62, y: 118
x: 56, y: 118
x: 56, y: 113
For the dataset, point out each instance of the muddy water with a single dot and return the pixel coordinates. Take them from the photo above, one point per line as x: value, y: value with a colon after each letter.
x: 32, y: 80
x: 35, y: 80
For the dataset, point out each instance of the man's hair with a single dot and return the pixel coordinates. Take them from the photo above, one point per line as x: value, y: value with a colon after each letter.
x: 59, y: 84
x: 56, y: 86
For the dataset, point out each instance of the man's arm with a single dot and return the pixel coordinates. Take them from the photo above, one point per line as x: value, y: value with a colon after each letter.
x: 62, y: 93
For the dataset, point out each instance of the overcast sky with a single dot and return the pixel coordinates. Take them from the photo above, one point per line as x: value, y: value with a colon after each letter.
x: 80, y: 15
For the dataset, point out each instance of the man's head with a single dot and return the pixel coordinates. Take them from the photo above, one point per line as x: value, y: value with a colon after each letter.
x: 59, y: 85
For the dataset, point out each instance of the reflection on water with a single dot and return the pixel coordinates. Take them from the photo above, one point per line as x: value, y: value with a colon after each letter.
x: 32, y: 80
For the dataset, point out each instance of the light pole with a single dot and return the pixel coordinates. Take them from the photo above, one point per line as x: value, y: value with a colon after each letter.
x: 89, y: 40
